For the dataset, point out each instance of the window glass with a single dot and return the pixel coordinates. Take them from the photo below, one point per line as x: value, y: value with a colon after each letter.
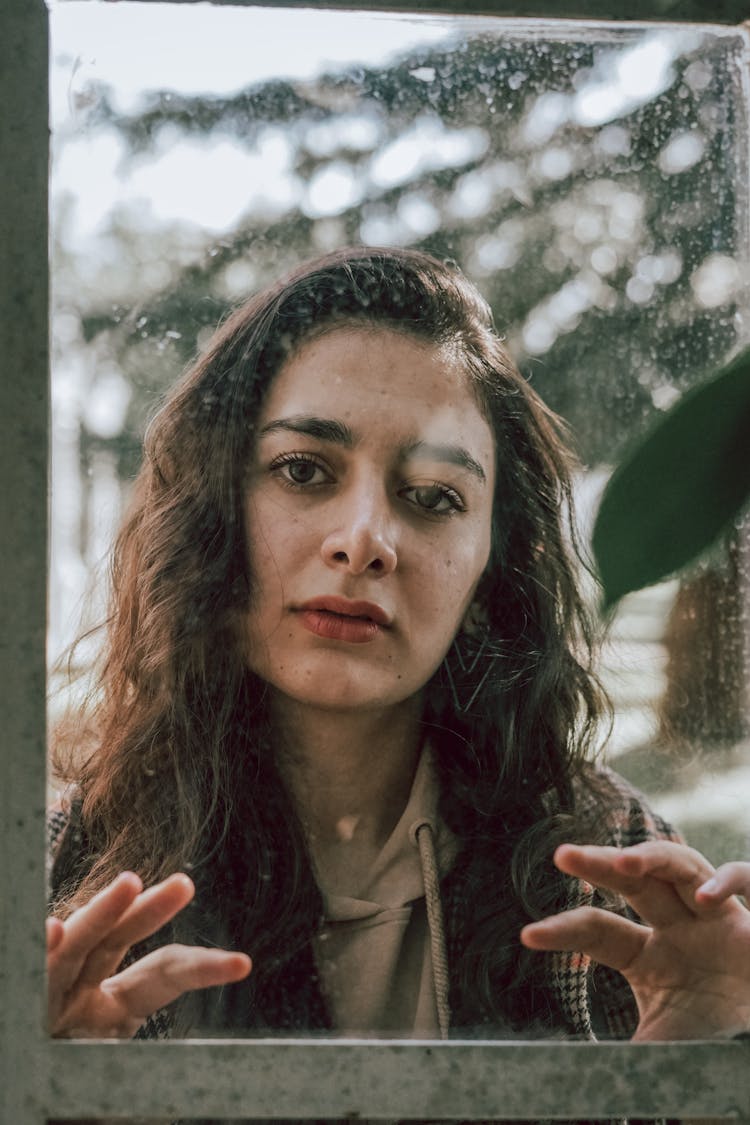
x: 590, y: 178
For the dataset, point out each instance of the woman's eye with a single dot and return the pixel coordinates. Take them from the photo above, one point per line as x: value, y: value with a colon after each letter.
x: 301, y: 471
x: 435, y: 498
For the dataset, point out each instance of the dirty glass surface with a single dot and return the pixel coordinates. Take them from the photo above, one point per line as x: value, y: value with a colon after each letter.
x: 591, y: 179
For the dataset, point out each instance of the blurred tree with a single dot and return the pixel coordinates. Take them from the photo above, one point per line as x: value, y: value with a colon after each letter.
x: 584, y: 222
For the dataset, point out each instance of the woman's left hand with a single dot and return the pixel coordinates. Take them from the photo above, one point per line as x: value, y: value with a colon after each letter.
x: 688, y: 963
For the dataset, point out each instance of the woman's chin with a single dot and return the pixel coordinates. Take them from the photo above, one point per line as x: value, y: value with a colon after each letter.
x: 341, y: 694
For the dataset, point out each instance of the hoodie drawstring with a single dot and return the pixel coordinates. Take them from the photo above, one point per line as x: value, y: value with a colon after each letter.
x: 431, y: 876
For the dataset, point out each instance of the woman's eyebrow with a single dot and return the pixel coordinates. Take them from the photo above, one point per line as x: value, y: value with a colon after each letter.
x: 333, y: 430
x: 326, y: 429
x: 453, y: 454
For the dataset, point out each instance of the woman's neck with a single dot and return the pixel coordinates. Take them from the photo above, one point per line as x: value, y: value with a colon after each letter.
x: 349, y: 776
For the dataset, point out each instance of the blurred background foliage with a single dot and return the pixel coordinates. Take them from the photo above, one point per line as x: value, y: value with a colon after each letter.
x: 591, y: 180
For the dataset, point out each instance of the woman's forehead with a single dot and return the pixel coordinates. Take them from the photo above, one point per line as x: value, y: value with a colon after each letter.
x: 371, y: 368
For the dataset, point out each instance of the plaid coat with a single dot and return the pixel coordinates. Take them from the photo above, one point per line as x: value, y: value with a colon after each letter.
x: 585, y: 990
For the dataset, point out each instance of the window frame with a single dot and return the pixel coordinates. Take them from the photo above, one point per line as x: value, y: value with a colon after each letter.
x: 268, y: 1078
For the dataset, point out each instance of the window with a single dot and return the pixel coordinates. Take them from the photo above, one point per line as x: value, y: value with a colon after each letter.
x: 569, y: 176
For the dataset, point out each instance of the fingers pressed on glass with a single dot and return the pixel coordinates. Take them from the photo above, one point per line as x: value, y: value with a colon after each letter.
x: 676, y: 865
x: 151, y: 910
x: 729, y: 879
x: 658, y: 901
x: 160, y: 977
x: 666, y: 860
x: 88, y: 926
x: 607, y: 938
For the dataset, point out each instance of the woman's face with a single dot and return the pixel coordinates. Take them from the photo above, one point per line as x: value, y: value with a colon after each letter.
x: 368, y: 513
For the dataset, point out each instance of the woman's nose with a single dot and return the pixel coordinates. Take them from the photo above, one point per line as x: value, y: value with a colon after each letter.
x: 364, y: 538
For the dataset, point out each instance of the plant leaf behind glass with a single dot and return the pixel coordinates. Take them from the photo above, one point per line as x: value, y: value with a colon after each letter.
x: 679, y: 486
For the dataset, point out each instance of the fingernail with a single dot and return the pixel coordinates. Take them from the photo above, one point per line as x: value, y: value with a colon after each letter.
x: 709, y: 886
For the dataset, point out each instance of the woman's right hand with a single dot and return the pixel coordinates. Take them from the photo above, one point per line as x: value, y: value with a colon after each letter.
x: 88, y: 997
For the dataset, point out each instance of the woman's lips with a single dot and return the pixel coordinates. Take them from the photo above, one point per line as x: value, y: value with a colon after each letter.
x: 338, y: 627
x: 343, y: 619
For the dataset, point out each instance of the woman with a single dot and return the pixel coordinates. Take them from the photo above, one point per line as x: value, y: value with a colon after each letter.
x: 347, y: 686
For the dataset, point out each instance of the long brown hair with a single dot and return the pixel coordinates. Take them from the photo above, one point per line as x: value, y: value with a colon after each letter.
x: 182, y: 776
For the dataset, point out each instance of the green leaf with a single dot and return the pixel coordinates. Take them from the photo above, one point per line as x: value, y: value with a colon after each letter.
x: 679, y: 487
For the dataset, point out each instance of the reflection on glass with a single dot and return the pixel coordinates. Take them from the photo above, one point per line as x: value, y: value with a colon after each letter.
x: 588, y: 179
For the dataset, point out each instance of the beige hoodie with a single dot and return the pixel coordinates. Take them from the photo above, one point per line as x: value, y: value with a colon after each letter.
x: 381, y: 954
